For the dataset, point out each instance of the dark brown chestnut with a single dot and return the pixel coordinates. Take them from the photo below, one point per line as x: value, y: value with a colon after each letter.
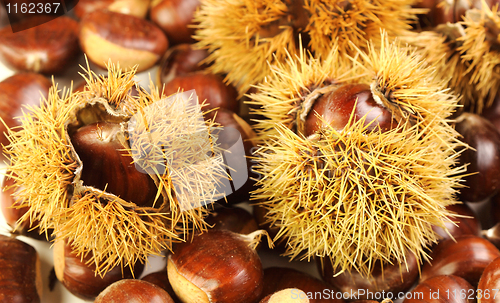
x: 160, y: 279
x: 442, y: 289
x: 123, y: 39
x: 180, y: 60
x: 386, y: 278
x: 466, y: 257
x: 216, y: 266
x: 138, y: 8
x: 489, y: 284
x: 483, y: 159
x: 288, y: 295
x: 209, y: 87
x: 442, y: 11
x: 280, y: 278
x: 20, y: 277
x: 259, y: 213
x: 234, y: 219
x: 80, y: 278
x: 107, y: 166
x: 175, y: 18
x: 336, y: 106
x: 16, y: 92
x: 463, y: 223
x: 48, y: 48
x: 136, y: 291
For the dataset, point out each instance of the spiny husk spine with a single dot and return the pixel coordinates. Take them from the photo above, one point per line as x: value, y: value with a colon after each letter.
x: 243, y: 36
x: 354, y: 196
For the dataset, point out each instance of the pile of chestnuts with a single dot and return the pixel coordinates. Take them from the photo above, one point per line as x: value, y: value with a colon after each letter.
x: 232, y: 246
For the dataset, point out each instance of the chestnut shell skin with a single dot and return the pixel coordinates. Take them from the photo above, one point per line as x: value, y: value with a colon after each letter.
x: 180, y: 60
x: 107, y: 166
x: 18, y: 272
x: 135, y: 291
x: 234, y: 219
x: 489, y: 284
x: 221, y: 258
x: 443, y: 289
x: 174, y: 18
x: 335, y: 108
x: 484, y: 161
x: 80, y: 279
x: 47, y: 48
x: 467, y: 256
x: 394, y: 277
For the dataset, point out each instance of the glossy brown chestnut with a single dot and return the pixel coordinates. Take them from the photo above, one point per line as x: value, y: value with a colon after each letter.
x: 216, y: 266
x: 442, y: 289
x: 336, y: 106
x: 80, y: 278
x: 208, y: 87
x: 107, y: 166
x: 234, y: 130
x: 136, y: 291
x: 489, y: 284
x: 280, y: 278
x: 47, y: 48
x: 466, y: 256
x: 123, y: 39
x: 175, y: 18
x: 160, y: 279
x: 464, y: 223
x: 17, y: 91
x: 180, y: 60
x: 391, y: 278
x: 234, y: 219
x: 20, y: 278
x: 138, y: 8
x: 484, y: 160
x: 442, y: 11
x: 289, y: 295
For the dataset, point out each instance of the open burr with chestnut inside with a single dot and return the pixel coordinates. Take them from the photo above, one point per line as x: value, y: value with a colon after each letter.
x: 120, y: 176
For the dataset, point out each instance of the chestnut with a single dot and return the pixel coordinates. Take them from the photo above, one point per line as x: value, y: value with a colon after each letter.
x: 442, y: 11
x: 288, y: 295
x: 335, y: 108
x: 80, y: 278
x: 483, y: 159
x: 17, y: 91
x: 384, y: 278
x: 48, y: 48
x: 281, y: 278
x: 209, y: 87
x: 259, y: 212
x: 107, y: 166
x: 492, y: 234
x: 136, y: 291
x: 442, y: 289
x: 463, y: 223
x: 138, y: 8
x: 20, y: 278
x: 489, y: 283
x: 465, y: 256
x: 175, y: 17
x: 123, y: 39
x: 160, y: 279
x: 180, y: 60
x: 234, y: 219
x: 216, y: 266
